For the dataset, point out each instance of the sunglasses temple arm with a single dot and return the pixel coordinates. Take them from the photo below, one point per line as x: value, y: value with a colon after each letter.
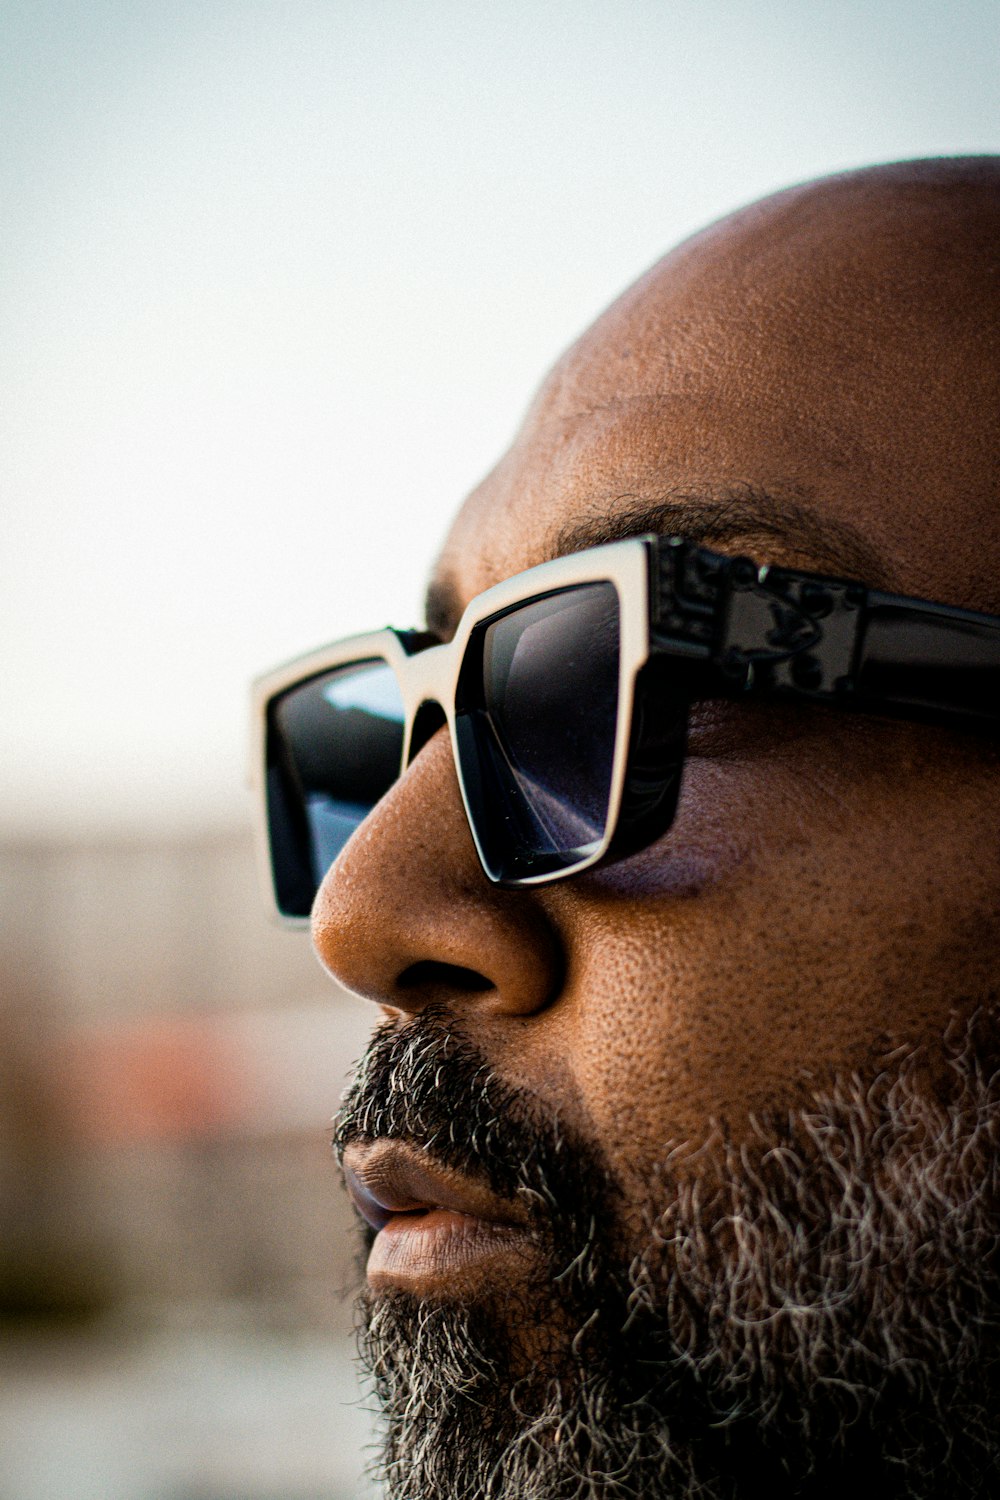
x: 744, y: 628
x: 741, y: 629
x: 929, y: 660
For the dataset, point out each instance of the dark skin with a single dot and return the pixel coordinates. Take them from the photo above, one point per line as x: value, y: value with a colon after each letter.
x: 813, y: 380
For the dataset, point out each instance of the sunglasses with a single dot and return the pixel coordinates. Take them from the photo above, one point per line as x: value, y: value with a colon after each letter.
x: 566, y: 692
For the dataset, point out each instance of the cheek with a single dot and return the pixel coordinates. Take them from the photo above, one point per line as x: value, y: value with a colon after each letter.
x: 748, y: 960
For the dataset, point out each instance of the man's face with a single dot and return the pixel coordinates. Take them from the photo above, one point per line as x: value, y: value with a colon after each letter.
x: 723, y: 1072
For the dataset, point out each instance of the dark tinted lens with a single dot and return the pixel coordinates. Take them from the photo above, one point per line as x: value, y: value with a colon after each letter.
x: 550, y: 700
x: 335, y: 745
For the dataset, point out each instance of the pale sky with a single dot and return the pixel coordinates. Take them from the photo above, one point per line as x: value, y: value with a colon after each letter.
x: 278, y: 279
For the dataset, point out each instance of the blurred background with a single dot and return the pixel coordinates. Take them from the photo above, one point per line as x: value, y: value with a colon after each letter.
x: 277, y: 278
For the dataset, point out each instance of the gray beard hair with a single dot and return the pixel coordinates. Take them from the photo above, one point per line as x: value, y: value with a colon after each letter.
x: 812, y: 1312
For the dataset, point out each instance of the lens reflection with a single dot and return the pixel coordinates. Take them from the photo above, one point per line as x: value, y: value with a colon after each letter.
x: 550, y: 673
x: 335, y: 748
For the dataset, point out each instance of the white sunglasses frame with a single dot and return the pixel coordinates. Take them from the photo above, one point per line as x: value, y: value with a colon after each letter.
x: 720, y: 626
x: 430, y: 676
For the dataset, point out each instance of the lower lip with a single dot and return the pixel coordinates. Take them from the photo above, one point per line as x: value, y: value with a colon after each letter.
x: 442, y: 1252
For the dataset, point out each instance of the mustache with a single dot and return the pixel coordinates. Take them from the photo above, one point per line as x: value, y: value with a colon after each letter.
x: 426, y: 1083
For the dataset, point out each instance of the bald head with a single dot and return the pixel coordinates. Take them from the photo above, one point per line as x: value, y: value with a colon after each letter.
x: 684, y: 1167
x: 836, y: 346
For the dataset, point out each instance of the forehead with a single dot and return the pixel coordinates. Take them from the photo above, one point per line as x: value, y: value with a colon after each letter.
x: 828, y: 409
x: 628, y: 469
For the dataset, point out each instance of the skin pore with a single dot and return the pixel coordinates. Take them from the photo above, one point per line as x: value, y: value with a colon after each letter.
x: 814, y: 380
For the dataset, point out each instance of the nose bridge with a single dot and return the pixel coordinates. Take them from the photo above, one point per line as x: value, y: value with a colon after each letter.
x: 405, y: 916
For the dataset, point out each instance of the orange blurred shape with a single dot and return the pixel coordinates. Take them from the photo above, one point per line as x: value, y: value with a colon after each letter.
x: 166, y: 1080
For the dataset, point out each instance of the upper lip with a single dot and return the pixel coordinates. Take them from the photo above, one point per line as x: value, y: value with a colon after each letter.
x: 388, y: 1177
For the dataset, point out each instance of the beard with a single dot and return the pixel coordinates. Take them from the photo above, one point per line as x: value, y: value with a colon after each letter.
x: 812, y: 1311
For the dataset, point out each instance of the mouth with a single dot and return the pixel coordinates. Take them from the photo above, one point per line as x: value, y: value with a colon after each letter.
x: 438, y: 1232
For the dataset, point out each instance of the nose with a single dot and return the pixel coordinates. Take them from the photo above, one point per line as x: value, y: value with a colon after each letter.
x: 406, y: 917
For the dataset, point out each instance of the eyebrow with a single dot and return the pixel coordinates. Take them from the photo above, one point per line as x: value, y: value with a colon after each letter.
x: 781, y: 528
x: 442, y: 607
x: 747, y: 515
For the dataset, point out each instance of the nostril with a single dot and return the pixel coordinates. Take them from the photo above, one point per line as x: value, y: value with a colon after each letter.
x: 432, y: 979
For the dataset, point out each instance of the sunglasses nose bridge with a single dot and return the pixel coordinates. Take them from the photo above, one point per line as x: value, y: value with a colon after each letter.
x: 429, y: 692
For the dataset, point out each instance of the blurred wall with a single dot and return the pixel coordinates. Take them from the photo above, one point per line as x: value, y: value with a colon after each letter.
x: 170, y: 1063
